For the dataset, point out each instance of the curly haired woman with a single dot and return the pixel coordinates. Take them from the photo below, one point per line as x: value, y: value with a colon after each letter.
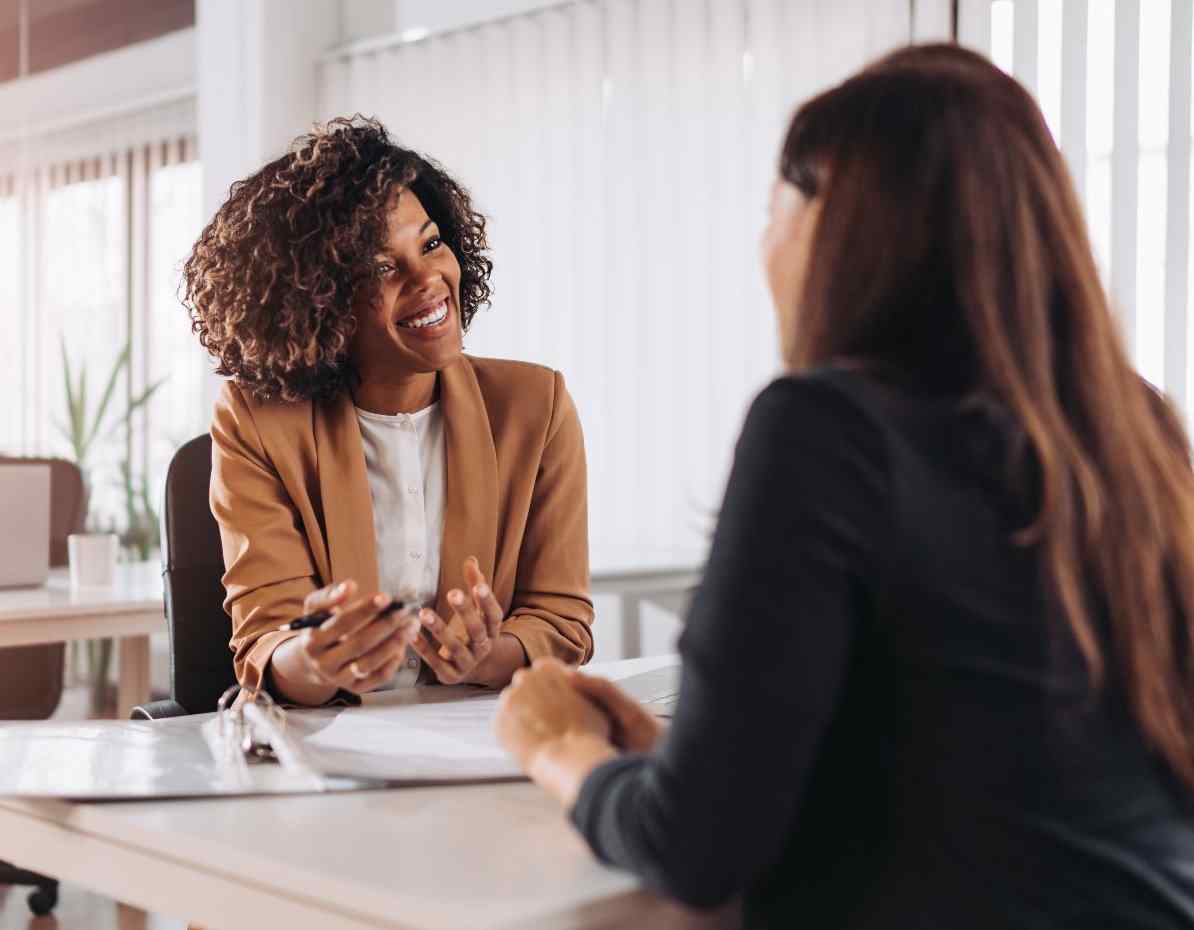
x: 358, y: 455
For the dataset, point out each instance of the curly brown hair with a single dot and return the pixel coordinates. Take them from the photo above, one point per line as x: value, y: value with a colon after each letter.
x: 273, y: 280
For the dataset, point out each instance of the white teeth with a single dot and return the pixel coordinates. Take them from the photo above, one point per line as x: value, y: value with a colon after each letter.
x: 433, y: 316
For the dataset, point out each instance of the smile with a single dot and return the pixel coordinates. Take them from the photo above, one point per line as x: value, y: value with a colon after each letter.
x: 430, y: 317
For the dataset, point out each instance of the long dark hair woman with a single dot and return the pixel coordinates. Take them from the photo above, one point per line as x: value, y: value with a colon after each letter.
x: 360, y: 458
x: 939, y: 672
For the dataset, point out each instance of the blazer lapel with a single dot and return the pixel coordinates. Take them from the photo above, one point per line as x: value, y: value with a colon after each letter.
x: 344, y: 490
x: 471, y: 490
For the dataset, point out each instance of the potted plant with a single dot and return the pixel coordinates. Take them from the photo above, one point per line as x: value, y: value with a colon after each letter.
x: 85, y: 430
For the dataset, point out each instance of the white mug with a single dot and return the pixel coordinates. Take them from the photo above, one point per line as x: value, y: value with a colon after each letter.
x: 92, y: 559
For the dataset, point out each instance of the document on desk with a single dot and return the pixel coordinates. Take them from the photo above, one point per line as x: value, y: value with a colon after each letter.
x: 427, y: 735
x: 415, y: 736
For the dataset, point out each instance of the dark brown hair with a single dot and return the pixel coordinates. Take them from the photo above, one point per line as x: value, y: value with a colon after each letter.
x: 273, y: 281
x: 951, y: 250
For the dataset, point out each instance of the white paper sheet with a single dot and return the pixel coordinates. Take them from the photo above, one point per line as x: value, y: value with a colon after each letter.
x: 437, y: 734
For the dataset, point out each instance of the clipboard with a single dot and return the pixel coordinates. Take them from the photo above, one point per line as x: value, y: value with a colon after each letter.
x: 416, y: 736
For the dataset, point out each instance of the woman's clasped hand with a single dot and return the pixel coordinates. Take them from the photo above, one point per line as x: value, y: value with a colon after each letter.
x: 553, y: 717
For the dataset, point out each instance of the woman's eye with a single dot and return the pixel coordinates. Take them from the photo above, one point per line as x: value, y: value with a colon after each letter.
x: 384, y: 269
x: 433, y: 243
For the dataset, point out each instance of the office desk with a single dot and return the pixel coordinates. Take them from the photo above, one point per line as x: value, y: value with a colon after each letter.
x: 483, y: 857
x: 128, y: 612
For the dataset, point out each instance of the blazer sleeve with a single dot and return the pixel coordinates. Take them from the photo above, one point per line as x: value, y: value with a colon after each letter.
x: 269, y: 569
x: 551, y: 611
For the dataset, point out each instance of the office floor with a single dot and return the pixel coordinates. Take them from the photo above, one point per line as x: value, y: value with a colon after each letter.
x: 78, y: 909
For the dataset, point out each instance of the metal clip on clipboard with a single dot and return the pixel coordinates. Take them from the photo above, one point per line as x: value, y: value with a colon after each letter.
x: 253, y: 732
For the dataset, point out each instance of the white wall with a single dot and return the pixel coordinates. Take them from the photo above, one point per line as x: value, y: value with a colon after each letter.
x: 257, y: 82
x: 361, y: 19
x: 441, y: 16
x: 623, y: 151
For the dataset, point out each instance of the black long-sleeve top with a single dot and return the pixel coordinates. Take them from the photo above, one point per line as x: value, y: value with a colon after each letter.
x: 881, y: 724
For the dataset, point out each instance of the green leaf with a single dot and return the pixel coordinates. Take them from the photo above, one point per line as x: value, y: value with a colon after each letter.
x: 109, y: 388
x: 72, y: 407
x: 145, y: 396
x: 134, y: 405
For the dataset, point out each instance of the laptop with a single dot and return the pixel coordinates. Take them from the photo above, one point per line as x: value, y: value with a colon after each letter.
x: 24, y: 525
x: 658, y: 690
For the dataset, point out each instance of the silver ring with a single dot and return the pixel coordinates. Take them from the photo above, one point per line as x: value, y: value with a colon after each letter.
x: 357, y: 673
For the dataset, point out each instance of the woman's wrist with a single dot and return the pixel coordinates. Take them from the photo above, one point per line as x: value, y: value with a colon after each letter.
x: 291, y: 680
x: 506, y: 657
x: 561, y: 765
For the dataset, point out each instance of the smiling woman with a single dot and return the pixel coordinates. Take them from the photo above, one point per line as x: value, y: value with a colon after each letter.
x: 359, y: 456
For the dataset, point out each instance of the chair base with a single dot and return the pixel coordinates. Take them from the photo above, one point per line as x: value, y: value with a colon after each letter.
x: 44, y: 897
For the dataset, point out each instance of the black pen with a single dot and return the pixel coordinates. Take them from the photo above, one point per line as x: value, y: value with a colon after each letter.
x: 315, y: 619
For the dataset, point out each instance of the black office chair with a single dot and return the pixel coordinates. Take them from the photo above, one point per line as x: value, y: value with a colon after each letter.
x: 192, y: 568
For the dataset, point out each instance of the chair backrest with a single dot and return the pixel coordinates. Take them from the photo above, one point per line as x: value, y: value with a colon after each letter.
x: 200, y: 661
x: 31, y: 676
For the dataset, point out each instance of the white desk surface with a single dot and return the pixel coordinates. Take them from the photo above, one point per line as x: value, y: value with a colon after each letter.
x: 138, y: 587
x: 54, y: 613
x: 447, y: 858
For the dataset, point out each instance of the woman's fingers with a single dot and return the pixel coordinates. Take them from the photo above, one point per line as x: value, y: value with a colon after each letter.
x: 328, y: 597
x: 365, y: 640
x: 490, y: 609
x: 483, y: 599
x: 385, y: 674
x: 443, y: 650
x: 473, y: 575
x: 365, y: 666
x: 347, y: 620
x: 445, y: 672
x: 636, y: 728
x: 466, y: 612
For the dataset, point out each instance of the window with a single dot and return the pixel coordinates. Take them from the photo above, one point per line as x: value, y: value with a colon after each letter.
x: 175, y: 413
x: 90, y: 261
x: 1113, y: 78
x: 11, y: 331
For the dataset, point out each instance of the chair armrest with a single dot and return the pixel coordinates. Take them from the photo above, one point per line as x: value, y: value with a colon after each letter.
x: 158, y: 710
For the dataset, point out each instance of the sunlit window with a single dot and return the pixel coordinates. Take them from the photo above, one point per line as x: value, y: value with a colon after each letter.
x: 83, y: 309
x: 1138, y: 195
x: 175, y: 414
x: 11, y: 334
x: 90, y: 263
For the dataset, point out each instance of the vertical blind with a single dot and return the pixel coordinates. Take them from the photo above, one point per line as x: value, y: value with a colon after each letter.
x: 1113, y: 78
x: 623, y: 152
x: 90, y: 247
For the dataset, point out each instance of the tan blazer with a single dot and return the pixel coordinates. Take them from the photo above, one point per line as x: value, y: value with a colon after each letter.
x: 290, y: 492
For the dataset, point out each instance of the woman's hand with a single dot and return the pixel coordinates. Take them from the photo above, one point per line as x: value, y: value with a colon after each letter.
x: 557, y: 734
x: 632, y: 727
x: 469, y: 646
x: 356, y: 650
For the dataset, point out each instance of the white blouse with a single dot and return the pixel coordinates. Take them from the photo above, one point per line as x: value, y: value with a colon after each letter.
x: 404, y: 459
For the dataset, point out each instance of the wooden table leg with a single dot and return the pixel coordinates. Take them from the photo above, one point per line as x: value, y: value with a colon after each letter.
x: 129, y: 917
x: 133, y: 687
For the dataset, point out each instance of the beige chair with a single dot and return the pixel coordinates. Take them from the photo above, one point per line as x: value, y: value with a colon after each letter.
x: 31, y: 676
